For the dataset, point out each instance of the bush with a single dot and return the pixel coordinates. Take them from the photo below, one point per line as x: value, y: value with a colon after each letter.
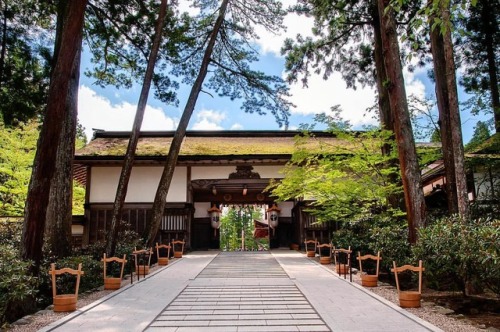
x: 461, y: 254
x: 15, y: 284
x: 378, y: 233
x: 392, y: 242
x: 128, y: 240
x: 439, y: 248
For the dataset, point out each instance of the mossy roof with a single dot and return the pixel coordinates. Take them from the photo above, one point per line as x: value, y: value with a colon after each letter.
x: 210, y: 144
x: 488, y: 149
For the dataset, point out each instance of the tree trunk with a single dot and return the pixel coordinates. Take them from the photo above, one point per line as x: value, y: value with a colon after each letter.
x: 60, y: 208
x: 4, y: 44
x: 129, y: 158
x: 410, y: 172
x: 441, y: 88
x: 44, y: 165
x: 396, y: 201
x: 488, y: 16
x: 455, y: 123
x: 175, y: 146
x: 384, y: 106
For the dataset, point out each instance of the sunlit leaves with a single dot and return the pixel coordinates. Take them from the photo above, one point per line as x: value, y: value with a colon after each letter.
x: 345, y: 182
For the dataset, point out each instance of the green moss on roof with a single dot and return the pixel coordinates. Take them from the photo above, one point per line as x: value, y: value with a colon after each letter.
x: 201, y: 146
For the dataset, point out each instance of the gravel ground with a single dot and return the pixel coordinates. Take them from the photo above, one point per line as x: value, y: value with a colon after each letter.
x: 436, y: 315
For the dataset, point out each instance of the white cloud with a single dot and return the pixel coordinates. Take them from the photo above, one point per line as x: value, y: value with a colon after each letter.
x: 236, y: 126
x: 270, y: 43
x: 95, y: 111
x: 208, y: 120
x: 413, y: 86
x: 321, y: 95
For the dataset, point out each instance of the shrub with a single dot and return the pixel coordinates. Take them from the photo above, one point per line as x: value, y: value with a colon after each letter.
x: 439, y: 247
x: 378, y: 233
x: 15, y: 284
x: 461, y: 254
x: 128, y: 240
x: 392, y: 242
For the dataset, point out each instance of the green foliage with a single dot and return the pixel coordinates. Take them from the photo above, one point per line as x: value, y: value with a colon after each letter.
x: 24, y: 74
x: 392, y: 242
x: 479, y: 56
x: 15, y: 282
x: 17, y: 151
x: 348, y: 182
x: 459, y: 254
x: 127, y: 241
x: 233, y: 222
x: 480, y: 135
x: 389, y: 236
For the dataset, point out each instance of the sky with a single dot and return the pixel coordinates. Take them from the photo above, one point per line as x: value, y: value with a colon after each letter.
x: 112, y: 109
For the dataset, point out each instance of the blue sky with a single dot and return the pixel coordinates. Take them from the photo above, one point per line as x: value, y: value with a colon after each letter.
x: 112, y: 109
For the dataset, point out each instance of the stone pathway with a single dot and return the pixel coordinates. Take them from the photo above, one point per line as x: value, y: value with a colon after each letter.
x: 253, y: 300
x: 280, y: 290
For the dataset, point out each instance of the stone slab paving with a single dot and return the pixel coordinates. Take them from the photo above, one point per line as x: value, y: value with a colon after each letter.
x: 242, y: 291
x: 343, y: 305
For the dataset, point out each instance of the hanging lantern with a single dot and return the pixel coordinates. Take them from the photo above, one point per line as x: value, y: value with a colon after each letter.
x: 273, y: 212
x: 214, y: 212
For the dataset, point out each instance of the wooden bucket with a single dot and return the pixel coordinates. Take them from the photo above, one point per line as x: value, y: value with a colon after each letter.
x: 409, y: 299
x: 64, y: 303
x: 369, y: 280
x: 294, y: 246
x: 325, y: 260
x: 163, y: 261
x: 112, y: 283
x: 142, y: 269
x: 342, y: 268
x: 178, y: 254
x: 311, y: 253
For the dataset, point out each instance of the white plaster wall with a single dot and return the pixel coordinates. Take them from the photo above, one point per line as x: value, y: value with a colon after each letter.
x: 211, y: 172
x: 286, y: 209
x: 222, y: 172
x: 142, y: 185
x: 269, y: 172
x: 201, y: 209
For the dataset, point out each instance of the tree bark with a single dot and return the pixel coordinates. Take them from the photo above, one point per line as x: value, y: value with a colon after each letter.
x: 4, y: 43
x: 129, y: 158
x: 410, y: 172
x: 44, y: 165
x: 175, y: 146
x: 60, y: 208
x: 455, y: 123
x: 489, y: 17
x: 386, y: 119
x: 441, y: 89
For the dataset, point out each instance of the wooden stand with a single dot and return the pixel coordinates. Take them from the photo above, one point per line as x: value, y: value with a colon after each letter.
x: 325, y: 259
x: 175, y: 247
x: 369, y: 280
x: 162, y: 260
x: 111, y: 282
x: 342, y: 258
x: 65, y: 302
x: 139, y: 256
x: 409, y: 299
x: 310, y: 246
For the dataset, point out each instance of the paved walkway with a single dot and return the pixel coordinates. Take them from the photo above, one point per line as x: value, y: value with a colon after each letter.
x: 242, y: 291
